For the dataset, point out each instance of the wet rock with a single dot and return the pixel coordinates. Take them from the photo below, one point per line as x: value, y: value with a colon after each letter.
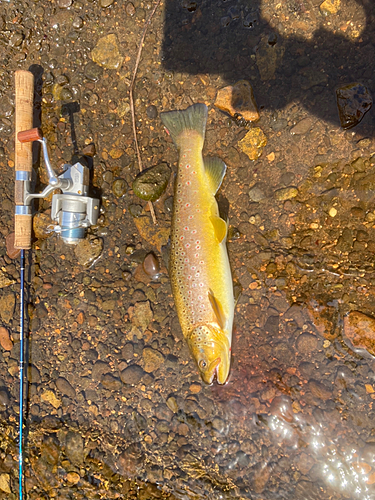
x: 238, y: 100
x: 106, y: 52
x: 330, y: 7
x: 127, y: 352
x: 7, y: 305
x: 6, y: 108
x: 73, y: 477
x: 12, y: 252
x: 132, y: 375
x: 119, y: 187
x: 130, y: 9
x: 5, y: 340
x: 65, y: 388
x: 172, y: 404
x: 33, y: 374
x: 152, y: 358
x: 152, y: 112
x: 74, y: 447
x: 89, y: 150
x: 359, y: 330
x: 4, y: 398
x: 5, y: 483
x: 268, y: 57
x: 155, y: 235
x: 64, y: 4
x: 256, y: 193
x: 319, y: 390
x: 253, y: 143
x: 88, y: 250
x: 43, y: 226
x: 151, y: 266
x: 151, y: 183
x: 93, y: 71
x: 303, y: 126
x: 353, y: 102
x: 286, y: 193
x: 51, y: 398
x: 141, y: 315
x: 129, y: 463
x: 306, y: 343
x: 111, y: 383
x: 99, y: 369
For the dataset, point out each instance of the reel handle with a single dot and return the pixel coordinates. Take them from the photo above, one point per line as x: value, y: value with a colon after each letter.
x: 24, y: 97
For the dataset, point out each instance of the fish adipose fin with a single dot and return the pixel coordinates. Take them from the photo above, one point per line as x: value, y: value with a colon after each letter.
x: 220, y: 227
x: 192, y: 118
x: 218, y: 310
x: 215, y: 170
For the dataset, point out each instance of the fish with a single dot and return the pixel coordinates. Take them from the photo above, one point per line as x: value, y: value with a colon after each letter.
x: 199, y: 268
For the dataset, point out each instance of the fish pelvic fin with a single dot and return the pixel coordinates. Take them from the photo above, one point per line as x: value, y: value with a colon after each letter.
x: 220, y: 227
x: 193, y: 118
x: 218, y: 310
x: 215, y: 170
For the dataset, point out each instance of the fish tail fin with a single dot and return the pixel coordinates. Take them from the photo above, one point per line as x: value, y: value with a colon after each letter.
x: 192, y: 118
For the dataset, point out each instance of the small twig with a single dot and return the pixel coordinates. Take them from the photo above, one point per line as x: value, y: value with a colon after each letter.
x: 152, y: 211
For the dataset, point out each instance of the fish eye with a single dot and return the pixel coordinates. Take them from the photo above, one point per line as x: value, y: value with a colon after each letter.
x: 202, y: 363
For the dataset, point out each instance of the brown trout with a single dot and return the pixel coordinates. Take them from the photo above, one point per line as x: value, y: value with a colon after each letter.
x: 199, y: 267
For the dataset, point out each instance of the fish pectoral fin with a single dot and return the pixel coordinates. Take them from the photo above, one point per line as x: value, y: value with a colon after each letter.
x: 220, y: 227
x: 218, y: 309
x: 215, y: 170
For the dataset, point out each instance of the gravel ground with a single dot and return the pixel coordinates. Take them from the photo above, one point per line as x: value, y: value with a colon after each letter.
x: 115, y: 406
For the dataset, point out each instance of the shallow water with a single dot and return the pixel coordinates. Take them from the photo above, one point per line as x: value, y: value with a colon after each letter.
x: 115, y: 406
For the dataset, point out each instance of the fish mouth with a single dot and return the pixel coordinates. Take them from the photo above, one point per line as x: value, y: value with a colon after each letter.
x: 211, y: 371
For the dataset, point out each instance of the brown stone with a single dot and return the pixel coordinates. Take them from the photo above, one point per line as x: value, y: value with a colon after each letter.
x: 12, y: 252
x: 5, y: 340
x: 238, y: 100
x: 319, y: 390
x: 359, y: 329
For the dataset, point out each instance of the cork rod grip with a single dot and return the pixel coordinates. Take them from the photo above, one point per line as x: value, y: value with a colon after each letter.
x: 24, y: 94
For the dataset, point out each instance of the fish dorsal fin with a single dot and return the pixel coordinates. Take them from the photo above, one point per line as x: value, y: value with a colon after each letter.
x: 215, y: 170
x: 218, y: 310
x: 220, y: 227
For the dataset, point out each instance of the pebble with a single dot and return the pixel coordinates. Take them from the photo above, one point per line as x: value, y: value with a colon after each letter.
x: 141, y: 315
x: 77, y: 23
x: 88, y: 250
x: 253, y: 143
x: 93, y: 71
x: 152, y: 112
x: 151, y: 266
x: 4, y: 398
x: 353, y: 102
x: 130, y: 9
x: 99, y: 369
x: 73, y: 477
x: 51, y: 398
x: 5, y: 340
x: 130, y: 461
x: 64, y: 4
x: 286, y: 193
x: 359, y: 329
x: 238, y: 101
x: 256, y: 193
x: 153, y: 359
x: 119, y: 188
x: 303, y: 126
x: 65, y: 388
x: 7, y: 305
x: 106, y: 3
x: 330, y: 7
x: 74, y: 447
x: 5, y: 483
x: 306, y: 343
x: 111, y: 383
x: 172, y: 404
x: 319, y: 390
x: 151, y: 183
x: 43, y: 226
x: 106, y: 52
x: 132, y: 375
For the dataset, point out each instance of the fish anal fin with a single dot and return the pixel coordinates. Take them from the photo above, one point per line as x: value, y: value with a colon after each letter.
x: 220, y: 227
x: 218, y: 310
x: 215, y: 170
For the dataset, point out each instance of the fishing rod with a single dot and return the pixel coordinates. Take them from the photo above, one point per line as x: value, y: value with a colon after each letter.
x: 72, y: 211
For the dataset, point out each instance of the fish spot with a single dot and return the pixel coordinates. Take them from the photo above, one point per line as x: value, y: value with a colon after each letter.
x: 197, y: 255
x: 191, y: 216
x: 193, y: 231
x: 187, y: 245
x: 197, y: 247
x: 188, y: 183
x: 186, y: 228
x: 187, y: 166
x: 187, y: 205
x: 201, y: 284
